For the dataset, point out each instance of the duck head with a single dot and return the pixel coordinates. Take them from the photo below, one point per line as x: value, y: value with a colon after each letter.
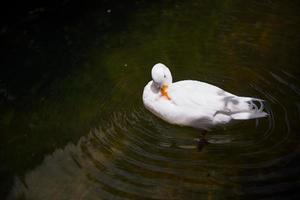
x: 162, y: 78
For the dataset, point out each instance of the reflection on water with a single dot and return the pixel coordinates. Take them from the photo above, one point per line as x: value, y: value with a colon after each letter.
x: 86, y: 135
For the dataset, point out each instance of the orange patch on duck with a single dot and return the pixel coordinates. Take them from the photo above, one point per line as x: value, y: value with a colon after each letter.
x: 164, y: 91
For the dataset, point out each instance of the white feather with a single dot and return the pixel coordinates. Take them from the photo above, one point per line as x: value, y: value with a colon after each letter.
x: 198, y: 104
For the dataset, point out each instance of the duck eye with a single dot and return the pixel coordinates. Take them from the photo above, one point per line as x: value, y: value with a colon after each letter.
x: 165, y: 76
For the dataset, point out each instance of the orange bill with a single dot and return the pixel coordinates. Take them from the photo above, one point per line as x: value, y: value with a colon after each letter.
x: 164, y: 91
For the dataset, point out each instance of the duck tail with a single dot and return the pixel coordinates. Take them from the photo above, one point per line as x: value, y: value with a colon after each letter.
x: 255, y: 109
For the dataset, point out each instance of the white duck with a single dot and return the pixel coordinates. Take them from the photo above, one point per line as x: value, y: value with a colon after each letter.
x: 194, y: 103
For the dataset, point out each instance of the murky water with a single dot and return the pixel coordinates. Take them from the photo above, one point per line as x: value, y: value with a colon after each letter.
x: 73, y: 125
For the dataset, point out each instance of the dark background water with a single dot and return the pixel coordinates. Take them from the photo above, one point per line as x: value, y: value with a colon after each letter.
x: 71, y: 118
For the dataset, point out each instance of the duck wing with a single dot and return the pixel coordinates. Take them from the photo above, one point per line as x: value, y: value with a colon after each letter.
x: 198, y: 96
x: 211, y: 101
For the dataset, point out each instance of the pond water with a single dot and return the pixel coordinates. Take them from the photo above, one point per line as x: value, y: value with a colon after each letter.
x: 72, y: 121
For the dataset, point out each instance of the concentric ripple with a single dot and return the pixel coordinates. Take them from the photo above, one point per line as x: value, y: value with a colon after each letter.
x: 137, y: 156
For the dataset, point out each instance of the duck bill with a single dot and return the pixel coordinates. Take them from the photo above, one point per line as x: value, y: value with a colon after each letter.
x: 164, y: 91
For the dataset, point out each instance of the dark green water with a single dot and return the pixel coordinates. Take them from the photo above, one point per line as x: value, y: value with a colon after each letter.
x: 72, y: 121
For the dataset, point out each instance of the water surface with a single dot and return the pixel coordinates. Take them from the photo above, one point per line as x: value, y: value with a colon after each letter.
x: 72, y: 121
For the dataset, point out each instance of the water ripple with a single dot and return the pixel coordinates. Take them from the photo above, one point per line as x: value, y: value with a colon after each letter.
x: 136, y: 153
